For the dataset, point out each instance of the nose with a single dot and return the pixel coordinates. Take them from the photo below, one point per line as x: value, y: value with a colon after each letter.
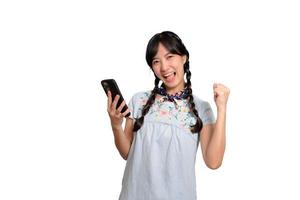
x: 164, y: 66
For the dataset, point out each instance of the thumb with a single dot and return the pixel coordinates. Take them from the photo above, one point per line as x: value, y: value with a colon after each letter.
x: 215, y: 85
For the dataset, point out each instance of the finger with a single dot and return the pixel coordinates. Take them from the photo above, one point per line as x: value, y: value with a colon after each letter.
x: 220, y: 85
x: 215, y: 94
x: 114, y: 104
x: 222, y: 90
x: 228, y: 91
x: 109, y: 99
x: 217, y: 90
x: 121, y: 106
x: 126, y: 112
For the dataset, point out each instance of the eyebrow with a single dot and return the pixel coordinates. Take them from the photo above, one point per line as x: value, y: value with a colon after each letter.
x: 164, y: 55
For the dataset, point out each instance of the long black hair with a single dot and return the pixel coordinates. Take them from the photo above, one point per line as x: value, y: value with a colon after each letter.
x: 175, y: 46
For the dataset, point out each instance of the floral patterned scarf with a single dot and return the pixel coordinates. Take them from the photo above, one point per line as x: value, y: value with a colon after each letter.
x: 183, y: 94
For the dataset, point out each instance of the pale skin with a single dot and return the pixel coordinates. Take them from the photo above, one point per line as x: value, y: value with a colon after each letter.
x: 212, y: 136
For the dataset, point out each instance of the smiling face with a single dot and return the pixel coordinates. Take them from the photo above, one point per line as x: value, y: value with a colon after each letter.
x: 168, y: 67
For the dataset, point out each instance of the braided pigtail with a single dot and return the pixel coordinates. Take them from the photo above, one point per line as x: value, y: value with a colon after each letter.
x: 139, y: 121
x: 198, y: 126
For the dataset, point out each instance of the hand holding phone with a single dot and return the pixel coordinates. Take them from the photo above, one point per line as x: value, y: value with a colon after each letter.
x: 111, y: 85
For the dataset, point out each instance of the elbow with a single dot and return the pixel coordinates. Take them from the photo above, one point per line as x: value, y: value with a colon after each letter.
x: 214, y: 165
x: 124, y: 153
x: 214, y: 161
x: 125, y: 156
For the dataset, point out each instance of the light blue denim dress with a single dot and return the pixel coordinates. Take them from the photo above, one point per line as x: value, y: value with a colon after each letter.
x: 161, y: 160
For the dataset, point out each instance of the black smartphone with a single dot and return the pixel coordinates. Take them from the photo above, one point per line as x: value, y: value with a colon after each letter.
x: 111, y: 85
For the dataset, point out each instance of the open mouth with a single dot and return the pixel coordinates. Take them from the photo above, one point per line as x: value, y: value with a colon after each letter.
x: 170, y: 76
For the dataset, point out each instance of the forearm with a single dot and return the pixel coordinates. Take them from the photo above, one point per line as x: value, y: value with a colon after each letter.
x: 121, y: 141
x: 216, y: 146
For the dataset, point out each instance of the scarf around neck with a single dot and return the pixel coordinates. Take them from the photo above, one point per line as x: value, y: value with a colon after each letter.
x: 183, y: 94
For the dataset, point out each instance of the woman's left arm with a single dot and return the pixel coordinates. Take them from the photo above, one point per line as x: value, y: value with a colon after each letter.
x: 213, y: 138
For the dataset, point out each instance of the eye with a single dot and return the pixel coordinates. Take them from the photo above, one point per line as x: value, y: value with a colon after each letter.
x: 154, y: 62
x: 170, y: 56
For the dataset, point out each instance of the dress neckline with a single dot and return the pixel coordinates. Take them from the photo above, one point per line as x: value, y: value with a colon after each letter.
x: 183, y: 94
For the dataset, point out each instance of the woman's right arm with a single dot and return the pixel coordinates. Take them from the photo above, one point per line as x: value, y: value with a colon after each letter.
x: 123, y: 138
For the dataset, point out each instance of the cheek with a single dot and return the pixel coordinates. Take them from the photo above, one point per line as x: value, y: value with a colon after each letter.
x: 177, y: 63
x: 180, y: 68
x: 156, y: 71
x: 181, y: 74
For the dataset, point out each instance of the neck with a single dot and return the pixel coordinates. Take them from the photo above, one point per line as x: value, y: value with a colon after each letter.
x: 172, y: 91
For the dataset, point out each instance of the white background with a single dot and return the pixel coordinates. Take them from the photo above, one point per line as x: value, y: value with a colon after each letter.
x: 56, y: 141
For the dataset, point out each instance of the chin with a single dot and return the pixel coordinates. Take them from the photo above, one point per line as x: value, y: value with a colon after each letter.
x: 171, y: 85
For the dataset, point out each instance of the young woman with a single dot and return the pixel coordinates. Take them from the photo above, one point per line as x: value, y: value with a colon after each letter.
x: 162, y: 133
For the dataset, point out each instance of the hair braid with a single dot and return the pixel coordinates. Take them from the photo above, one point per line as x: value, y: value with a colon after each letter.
x: 139, y: 121
x: 198, y: 126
